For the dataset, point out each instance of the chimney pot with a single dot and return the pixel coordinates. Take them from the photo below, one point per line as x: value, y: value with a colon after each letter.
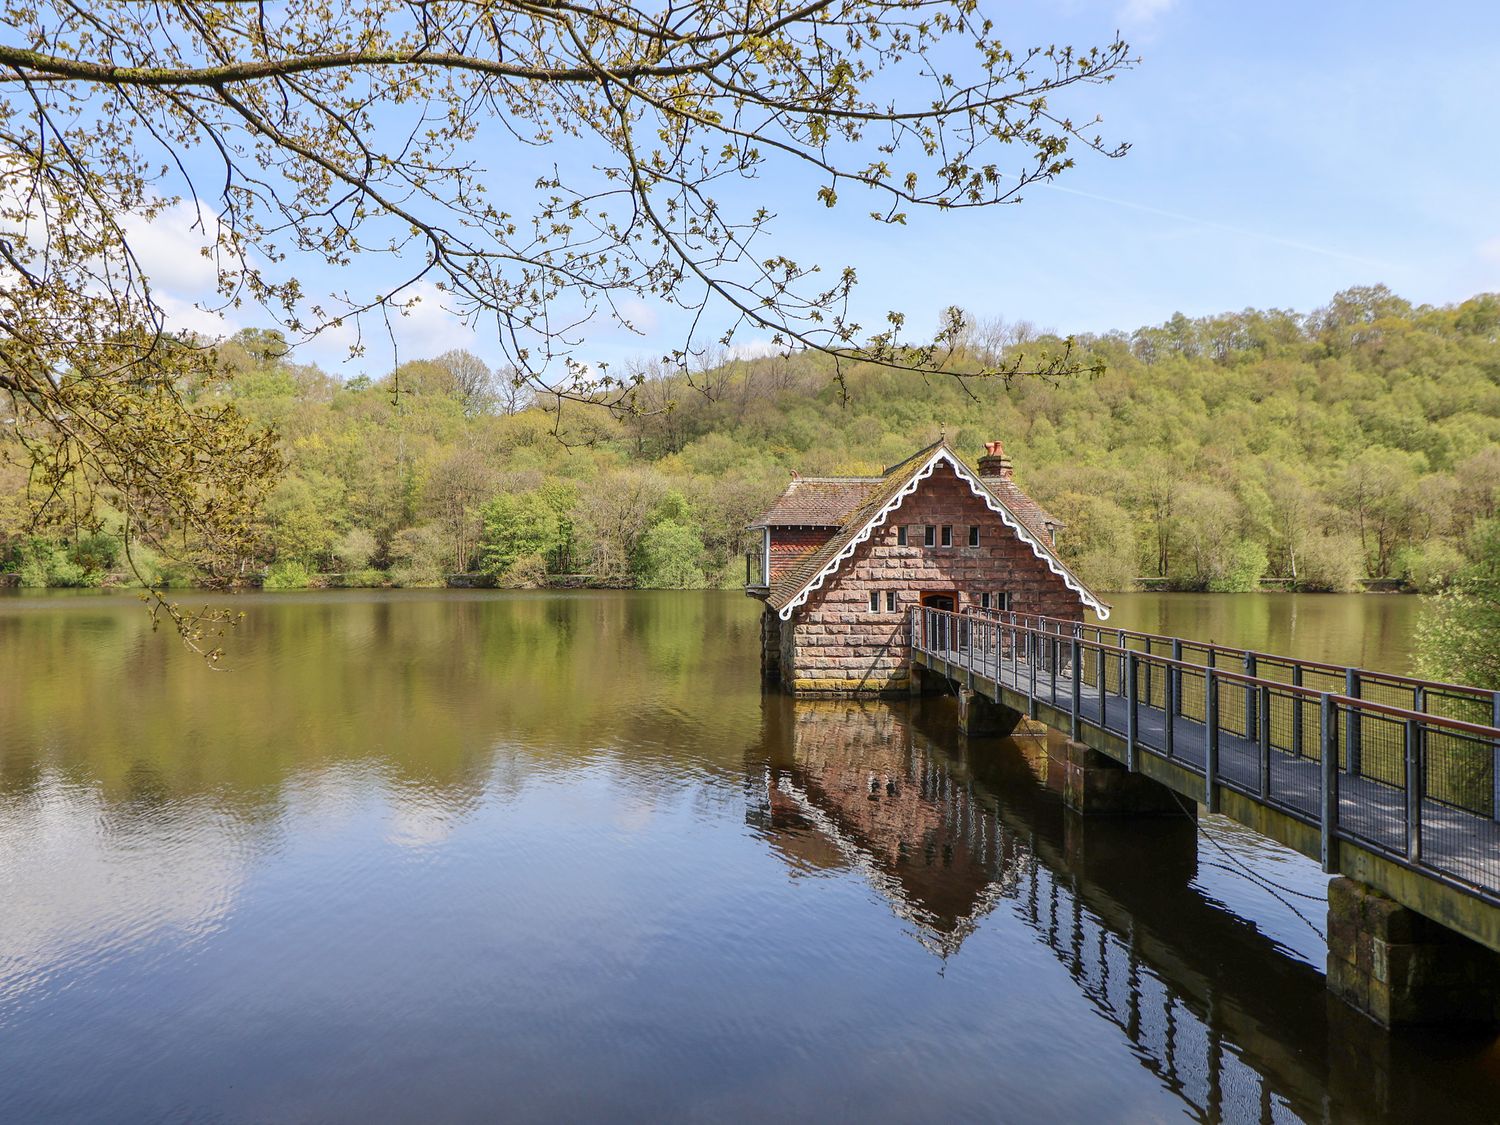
x: 995, y: 463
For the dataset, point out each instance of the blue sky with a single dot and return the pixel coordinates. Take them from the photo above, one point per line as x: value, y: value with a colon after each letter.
x: 1281, y: 152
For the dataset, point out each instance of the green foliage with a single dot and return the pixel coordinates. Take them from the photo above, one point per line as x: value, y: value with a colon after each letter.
x: 40, y: 562
x: 1458, y: 638
x: 418, y: 555
x: 526, y: 572
x: 96, y: 553
x: 1243, y: 569
x: 516, y: 525
x: 1330, y: 564
x: 671, y: 557
x: 1429, y: 567
x: 288, y: 574
x: 1362, y: 439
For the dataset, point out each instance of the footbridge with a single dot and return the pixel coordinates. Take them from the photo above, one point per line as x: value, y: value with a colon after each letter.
x: 1389, y: 780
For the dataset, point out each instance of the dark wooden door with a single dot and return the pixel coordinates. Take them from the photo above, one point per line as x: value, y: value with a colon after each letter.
x: 936, y: 624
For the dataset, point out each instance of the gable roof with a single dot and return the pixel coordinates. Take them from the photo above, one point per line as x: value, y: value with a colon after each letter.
x: 798, y: 582
x: 818, y: 502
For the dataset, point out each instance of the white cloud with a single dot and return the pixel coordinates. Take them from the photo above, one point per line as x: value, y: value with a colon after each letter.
x: 753, y: 349
x: 1145, y: 11
x: 170, y: 249
x: 421, y: 328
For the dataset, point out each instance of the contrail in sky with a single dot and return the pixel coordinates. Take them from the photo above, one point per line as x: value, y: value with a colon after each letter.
x: 1325, y: 251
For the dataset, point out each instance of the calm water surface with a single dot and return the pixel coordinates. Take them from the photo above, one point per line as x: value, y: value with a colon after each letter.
x: 470, y: 856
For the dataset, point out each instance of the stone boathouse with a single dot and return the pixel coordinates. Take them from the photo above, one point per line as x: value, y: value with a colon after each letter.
x: 844, y: 560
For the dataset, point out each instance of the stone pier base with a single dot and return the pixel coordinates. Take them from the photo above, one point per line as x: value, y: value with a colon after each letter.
x: 980, y: 716
x: 1402, y: 969
x: 770, y: 647
x: 1097, y: 785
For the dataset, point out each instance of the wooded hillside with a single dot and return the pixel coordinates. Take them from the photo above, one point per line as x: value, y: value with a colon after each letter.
x: 1362, y: 439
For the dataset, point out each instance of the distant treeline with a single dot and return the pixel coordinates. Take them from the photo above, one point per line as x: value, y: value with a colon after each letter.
x: 1361, y: 440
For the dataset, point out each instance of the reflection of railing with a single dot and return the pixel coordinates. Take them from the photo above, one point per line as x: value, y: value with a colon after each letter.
x: 1189, y: 1054
x: 1418, y: 784
x: 1180, y: 1037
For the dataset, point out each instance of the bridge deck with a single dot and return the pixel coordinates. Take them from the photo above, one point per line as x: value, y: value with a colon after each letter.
x: 1415, y: 789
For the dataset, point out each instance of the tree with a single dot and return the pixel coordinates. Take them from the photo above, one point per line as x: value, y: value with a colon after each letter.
x: 671, y: 557
x: 473, y: 382
x: 515, y: 525
x: 349, y: 132
x: 1459, y: 635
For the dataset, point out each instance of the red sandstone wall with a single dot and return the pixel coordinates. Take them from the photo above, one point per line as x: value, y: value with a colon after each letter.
x: 836, y: 637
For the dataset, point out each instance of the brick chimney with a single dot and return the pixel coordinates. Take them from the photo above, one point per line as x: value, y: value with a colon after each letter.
x: 994, y: 463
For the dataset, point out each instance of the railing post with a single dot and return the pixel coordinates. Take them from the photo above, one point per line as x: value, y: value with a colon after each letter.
x: 1174, y: 678
x: 1495, y: 758
x: 1077, y: 693
x: 1148, y: 671
x: 1250, y: 697
x: 1121, y: 634
x: 1132, y: 702
x: 1031, y: 649
x: 1100, y: 673
x: 1054, y: 651
x: 1211, y: 739
x: 1297, y: 711
x: 1413, y: 790
x: 1169, y: 706
x: 1263, y: 732
x: 1352, y: 730
x: 1328, y: 798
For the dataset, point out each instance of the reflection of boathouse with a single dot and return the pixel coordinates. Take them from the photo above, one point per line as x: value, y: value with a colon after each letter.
x: 845, y: 559
x: 854, y: 787
x: 857, y: 794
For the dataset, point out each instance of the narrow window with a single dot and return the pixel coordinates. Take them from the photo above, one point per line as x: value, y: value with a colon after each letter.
x: 984, y: 600
x: 947, y: 536
x: 931, y: 535
x: 973, y: 535
x: 901, y: 536
x: 1002, y: 600
x: 890, y: 601
x: 874, y: 601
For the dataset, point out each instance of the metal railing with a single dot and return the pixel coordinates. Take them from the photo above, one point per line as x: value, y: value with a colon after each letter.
x: 1326, y: 745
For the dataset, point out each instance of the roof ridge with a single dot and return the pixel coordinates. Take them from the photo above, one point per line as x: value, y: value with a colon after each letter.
x: 926, y: 449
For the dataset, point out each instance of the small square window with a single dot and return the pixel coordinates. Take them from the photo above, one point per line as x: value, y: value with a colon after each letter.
x: 901, y: 536
x: 874, y: 601
x: 931, y: 535
x: 973, y: 535
x: 947, y: 536
x: 890, y: 601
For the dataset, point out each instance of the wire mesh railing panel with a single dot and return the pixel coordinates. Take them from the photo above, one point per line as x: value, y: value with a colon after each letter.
x: 1415, y: 764
x: 1372, y: 790
x: 1458, y: 769
x: 1466, y: 707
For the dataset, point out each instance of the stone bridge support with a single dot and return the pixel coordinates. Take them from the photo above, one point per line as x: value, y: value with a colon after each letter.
x: 1096, y: 785
x: 1401, y: 968
x: 979, y: 716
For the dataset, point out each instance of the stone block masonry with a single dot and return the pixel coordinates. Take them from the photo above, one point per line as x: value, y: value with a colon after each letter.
x: 1400, y: 968
x: 837, y: 644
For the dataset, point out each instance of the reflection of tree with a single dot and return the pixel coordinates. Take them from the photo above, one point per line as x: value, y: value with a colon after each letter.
x: 424, y: 690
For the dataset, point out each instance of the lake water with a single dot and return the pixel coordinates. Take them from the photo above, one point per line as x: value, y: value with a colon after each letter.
x: 459, y: 856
